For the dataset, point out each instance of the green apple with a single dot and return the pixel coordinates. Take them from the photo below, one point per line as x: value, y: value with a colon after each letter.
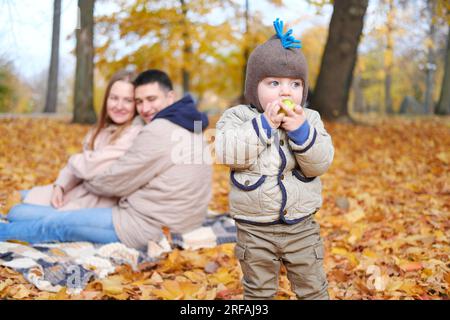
x: 288, y: 103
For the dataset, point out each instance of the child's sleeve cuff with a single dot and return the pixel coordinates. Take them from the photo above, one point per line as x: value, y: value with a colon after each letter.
x: 300, y: 135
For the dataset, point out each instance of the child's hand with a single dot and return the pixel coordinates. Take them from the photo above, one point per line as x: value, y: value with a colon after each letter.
x: 293, y: 119
x: 272, y: 116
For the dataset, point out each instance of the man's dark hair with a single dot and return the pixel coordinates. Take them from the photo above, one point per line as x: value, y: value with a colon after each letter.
x: 152, y: 76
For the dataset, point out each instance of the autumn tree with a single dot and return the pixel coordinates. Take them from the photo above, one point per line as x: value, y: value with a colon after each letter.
x: 430, y: 66
x: 15, y: 93
x: 180, y: 37
x: 393, y: 57
x: 388, y: 31
x: 389, y: 56
x: 443, y: 106
x: 174, y: 36
x: 83, y: 111
x: 334, y: 81
x: 187, y: 46
x: 52, y: 82
x: 6, y: 88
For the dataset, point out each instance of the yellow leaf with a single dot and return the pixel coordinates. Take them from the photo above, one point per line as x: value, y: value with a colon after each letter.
x: 444, y: 157
x: 355, y: 215
x: 369, y: 253
x: 210, y: 294
x: 394, y: 285
x: 356, y: 233
x: 112, y: 285
x: 43, y: 296
x: 170, y: 290
x: 339, y: 251
x: 22, y: 292
x: 5, y: 284
x: 195, y: 258
x: 410, y: 287
x: 343, y: 252
x: 61, y: 295
x: 172, y: 263
x: 228, y: 249
x: 427, y: 273
x: 190, y: 290
x: 440, y: 236
x: 222, y: 275
x: 197, y: 276
x: 154, y: 279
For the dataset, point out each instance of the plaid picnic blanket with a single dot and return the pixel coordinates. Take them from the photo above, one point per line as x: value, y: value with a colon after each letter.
x: 51, y: 266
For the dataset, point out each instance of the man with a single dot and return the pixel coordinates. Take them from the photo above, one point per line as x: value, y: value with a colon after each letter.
x: 157, y: 187
x: 159, y: 180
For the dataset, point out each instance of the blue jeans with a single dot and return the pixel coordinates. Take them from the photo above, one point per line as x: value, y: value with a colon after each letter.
x: 37, y: 224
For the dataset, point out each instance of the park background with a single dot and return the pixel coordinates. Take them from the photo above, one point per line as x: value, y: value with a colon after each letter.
x: 379, y: 76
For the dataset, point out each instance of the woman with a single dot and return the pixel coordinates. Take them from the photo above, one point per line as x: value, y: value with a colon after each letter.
x: 113, y: 135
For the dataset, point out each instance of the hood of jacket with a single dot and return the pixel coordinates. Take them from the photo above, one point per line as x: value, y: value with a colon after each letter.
x: 185, y: 114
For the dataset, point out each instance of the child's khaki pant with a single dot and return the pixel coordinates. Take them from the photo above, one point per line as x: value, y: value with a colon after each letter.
x: 262, y: 249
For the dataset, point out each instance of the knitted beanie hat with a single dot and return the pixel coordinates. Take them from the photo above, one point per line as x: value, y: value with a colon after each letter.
x: 280, y: 56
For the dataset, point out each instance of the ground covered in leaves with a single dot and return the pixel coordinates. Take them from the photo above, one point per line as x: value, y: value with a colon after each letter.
x: 385, y: 219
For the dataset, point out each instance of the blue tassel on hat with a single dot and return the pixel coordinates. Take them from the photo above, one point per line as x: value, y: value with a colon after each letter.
x: 287, y: 40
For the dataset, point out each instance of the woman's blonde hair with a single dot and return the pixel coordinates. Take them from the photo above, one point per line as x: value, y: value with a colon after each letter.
x: 104, y: 119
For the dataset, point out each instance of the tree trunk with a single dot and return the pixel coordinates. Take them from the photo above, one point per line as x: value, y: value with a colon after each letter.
x: 431, y: 63
x: 52, y: 82
x: 443, y: 106
x: 389, y: 59
x: 83, y: 111
x: 246, y: 53
x: 339, y: 59
x: 187, y: 50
